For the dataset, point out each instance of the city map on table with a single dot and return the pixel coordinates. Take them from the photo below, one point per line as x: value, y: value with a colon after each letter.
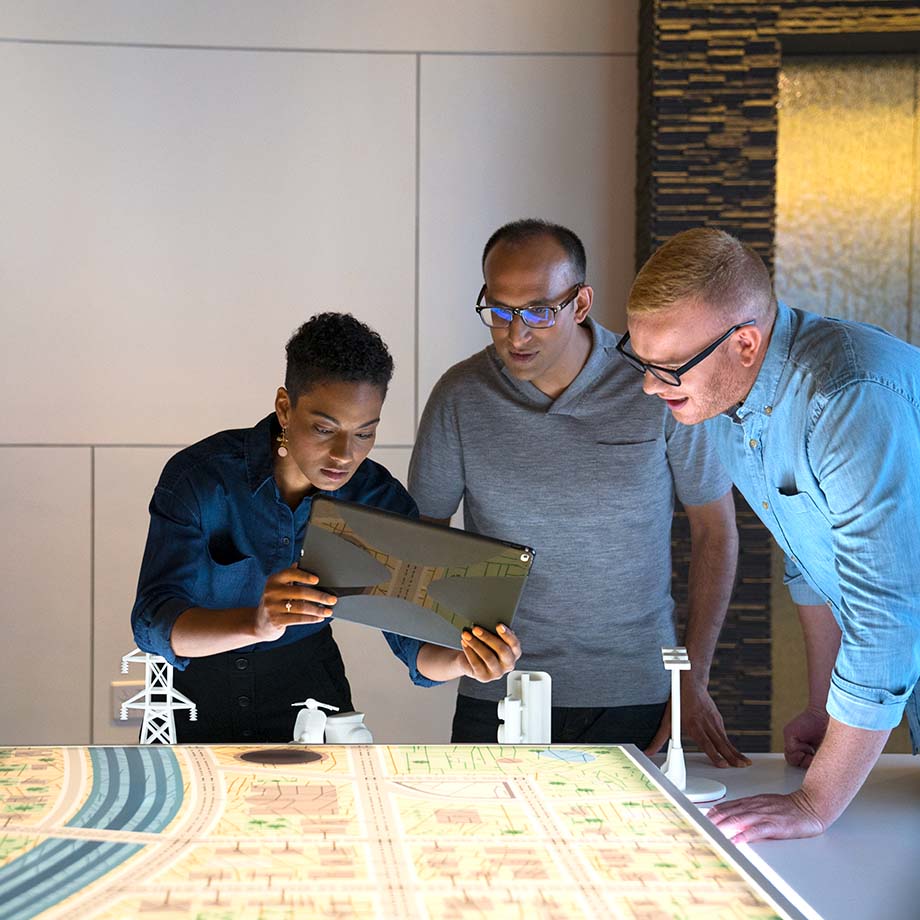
x: 452, y: 832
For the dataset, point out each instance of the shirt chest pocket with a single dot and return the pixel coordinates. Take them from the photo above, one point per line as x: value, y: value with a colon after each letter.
x: 232, y: 578
x: 630, y: 472
x: 795, y: 504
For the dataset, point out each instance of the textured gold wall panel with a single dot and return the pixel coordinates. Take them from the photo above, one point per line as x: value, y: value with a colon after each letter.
x: 846, y: 173
x: 847, y: 220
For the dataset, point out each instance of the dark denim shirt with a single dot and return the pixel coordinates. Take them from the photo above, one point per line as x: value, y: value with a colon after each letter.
x: 219, y: 528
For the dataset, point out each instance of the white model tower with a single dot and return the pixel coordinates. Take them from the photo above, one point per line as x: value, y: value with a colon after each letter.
x: 526, y: 712
x: 697, y: 789
x: 158, y: 700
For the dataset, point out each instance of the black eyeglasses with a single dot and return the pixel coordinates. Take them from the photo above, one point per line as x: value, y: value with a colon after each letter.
x: 672, y: 375
x: 535, y: 317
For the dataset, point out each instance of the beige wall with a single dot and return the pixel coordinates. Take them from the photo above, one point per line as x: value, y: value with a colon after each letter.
x: 183, y: 184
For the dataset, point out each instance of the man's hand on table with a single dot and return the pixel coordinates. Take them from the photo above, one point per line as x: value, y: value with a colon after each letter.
x: 839, y: 768
x: 802, y: 736
x: 701, y: 721
x: 768, y: 816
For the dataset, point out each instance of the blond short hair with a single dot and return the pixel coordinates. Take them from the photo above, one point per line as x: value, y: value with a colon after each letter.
x: 704, y: 265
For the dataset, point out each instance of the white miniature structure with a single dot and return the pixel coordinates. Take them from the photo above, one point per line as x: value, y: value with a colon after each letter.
x: 158, y: 700
x: 347, y: 728
x: 315, y: 727
x: 526, y: 712
x: 697, y: 789
x: 310, y: 727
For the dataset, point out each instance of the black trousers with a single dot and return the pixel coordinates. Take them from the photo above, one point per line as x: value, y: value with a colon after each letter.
x: 476, y: 721
x: 245, y: 698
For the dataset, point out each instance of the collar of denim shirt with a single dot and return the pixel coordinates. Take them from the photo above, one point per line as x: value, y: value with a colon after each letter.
x: 258, y: 450
x: 763, y: 392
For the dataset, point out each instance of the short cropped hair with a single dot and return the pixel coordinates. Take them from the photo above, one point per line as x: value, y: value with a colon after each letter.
x: 522, y: 232
x: 339, y: 348
x: 704, y: 264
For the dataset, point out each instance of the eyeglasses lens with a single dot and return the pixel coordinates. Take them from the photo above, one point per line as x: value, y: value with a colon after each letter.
x: 659, y: 373
x: 537, y: 318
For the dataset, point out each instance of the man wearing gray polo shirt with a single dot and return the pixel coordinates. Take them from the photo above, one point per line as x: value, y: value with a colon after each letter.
x: 548, y: 440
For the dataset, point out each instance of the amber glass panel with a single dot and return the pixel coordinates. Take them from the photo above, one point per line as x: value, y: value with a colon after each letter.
x: 846, y: 175
x: 847, y: 243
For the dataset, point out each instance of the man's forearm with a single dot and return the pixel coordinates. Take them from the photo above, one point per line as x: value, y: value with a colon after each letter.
x: 840, y: 767
x: 713, y: 561
x: 822, y: 643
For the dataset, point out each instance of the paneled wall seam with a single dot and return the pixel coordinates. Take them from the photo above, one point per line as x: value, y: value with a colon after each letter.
x: 260, y: 49
x: 92, y: 592
x: 418, y: 183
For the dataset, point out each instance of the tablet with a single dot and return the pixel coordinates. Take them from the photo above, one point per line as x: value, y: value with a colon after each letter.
x: 411, y: 577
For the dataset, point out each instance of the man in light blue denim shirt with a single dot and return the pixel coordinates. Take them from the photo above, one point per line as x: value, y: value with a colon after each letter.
x: 818, y: 422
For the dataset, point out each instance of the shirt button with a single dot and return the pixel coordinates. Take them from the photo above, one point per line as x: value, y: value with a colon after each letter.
x: 768, y: 410
x: 752, y: 442
x: 243, y: 701
x: 766, y: 506
x: 241, y: 664
x: 286, y: 540
x: 246, y: 733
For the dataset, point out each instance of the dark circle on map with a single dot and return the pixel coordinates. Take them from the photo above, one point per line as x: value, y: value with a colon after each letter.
x: 281, y: 756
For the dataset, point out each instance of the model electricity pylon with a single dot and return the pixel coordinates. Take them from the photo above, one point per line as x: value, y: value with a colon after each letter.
x: 697, y: 789
x: 158, y: 700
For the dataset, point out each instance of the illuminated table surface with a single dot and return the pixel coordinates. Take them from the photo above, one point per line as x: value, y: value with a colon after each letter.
x: 865, y: 866
x: 390, y: 832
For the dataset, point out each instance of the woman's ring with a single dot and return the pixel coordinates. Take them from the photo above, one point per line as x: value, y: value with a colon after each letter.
x: 287, y: 606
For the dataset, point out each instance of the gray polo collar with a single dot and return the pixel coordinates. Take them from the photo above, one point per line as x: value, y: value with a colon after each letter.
x: 603, y: 346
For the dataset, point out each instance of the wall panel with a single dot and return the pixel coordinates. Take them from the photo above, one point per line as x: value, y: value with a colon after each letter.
x: 503, y: 138
x: 176, y: 215
x: 45, y: 548
x: 125, y: 478
x: 475, y: 25
x: 187, y: 182
x: 845, y: 176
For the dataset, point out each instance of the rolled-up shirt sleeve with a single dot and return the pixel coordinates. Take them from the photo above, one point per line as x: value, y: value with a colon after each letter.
x: 175, y: 547
x: 869, y: 480
x: 406, y: 650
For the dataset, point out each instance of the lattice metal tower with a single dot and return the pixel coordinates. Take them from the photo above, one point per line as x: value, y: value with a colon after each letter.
x: 158, y: 700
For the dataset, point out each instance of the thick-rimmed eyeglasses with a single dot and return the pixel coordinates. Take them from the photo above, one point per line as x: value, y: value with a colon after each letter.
x: 672, y: 375
x: 537, y: 317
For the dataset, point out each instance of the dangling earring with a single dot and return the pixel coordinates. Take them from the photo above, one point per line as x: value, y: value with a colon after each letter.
x: 282, y: 441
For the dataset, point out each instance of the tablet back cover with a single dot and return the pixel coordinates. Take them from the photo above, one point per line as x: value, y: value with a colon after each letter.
x: 410, y: 577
